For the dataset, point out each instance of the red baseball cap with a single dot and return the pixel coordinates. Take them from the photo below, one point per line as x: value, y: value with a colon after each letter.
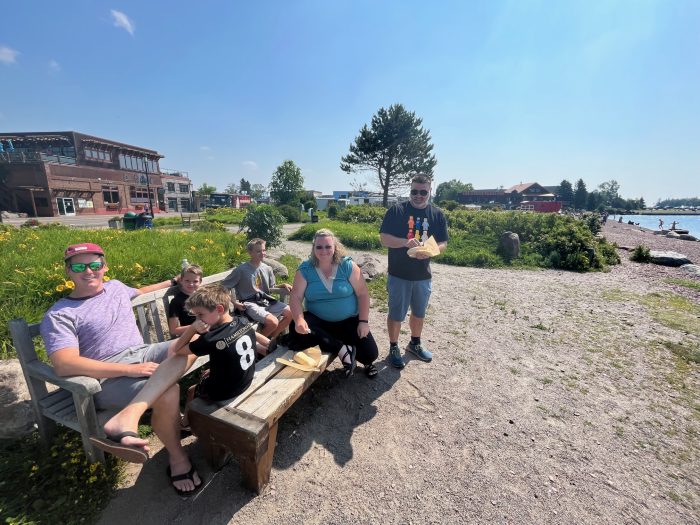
x: 86, y: 247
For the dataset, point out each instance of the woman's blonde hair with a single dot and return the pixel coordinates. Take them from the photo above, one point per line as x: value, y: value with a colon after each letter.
x: 338, y: 253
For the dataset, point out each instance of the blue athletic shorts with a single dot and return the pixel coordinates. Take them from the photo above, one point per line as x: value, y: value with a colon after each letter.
x: 403, y: 293
x: 117, y: 392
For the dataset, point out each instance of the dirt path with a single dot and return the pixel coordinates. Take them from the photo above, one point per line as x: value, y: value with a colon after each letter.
x: 553, y: 398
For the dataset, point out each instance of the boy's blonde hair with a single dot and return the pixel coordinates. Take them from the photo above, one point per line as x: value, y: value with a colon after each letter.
x: 194, y: 269
x: 338, y: 253
x: 209, y: 296
x: 253, y: 243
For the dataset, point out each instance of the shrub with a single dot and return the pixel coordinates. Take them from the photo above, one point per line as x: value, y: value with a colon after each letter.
x: 641, y: 254
x: 30, y: 223
x: 449, y: 205
x: 264, y: 221
x: 208, y: 226
x: 310, y: 204
x: 332, y: 211
x: 592, y: 221
x: 363, y: 213
x: 358, y: 236
x: 290, y: 213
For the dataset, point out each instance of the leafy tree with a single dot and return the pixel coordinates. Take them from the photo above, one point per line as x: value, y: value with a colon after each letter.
x: 257, y: 191
x: 642, y: 204
x: 566, y: 192
x: 395, y: 147
x: 205, y: 189
x: 245, y: 186
x: 451, y: 190
x: 265, y: 222
x: 231, y: 188
x: 287, y: 183
x: 594, y: 201
x: 580, y: 195
x: 609, y: 191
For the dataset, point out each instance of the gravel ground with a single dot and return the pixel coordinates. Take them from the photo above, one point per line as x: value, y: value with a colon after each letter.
x: 553, y: 397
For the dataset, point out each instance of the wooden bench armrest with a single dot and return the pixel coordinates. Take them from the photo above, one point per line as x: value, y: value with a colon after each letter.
x: 81, y: 385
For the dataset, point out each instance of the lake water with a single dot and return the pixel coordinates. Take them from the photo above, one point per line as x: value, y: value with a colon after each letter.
x: 684, y: 222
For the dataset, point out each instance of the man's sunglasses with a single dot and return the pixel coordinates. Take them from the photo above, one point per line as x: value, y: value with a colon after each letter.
x: 81, y: 267
x: 326, y: 247
x: 421, y: 192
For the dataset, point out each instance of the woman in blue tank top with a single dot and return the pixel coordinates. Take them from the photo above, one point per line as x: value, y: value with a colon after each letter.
x: 336, y: 318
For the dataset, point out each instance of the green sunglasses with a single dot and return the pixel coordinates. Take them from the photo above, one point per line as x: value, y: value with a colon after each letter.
x: 81, y: 267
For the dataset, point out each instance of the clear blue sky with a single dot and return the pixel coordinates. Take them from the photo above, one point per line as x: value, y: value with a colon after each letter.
x: 511, y: 91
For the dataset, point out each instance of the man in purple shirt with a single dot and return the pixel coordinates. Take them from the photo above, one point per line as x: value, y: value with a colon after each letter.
x: 92, y: 332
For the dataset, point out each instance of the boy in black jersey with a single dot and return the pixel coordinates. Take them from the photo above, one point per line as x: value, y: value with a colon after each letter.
x: 229, y: 341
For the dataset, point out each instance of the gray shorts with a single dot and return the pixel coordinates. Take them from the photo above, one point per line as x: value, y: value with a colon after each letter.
x: 117, y: 392
x: 259, y: 313
x: 403, y: 293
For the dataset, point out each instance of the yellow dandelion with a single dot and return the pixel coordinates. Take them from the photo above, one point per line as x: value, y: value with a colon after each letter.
x: 60, y: 288
x: 105, y: 278
x: 138, y: 267
x: 69, y: 284
x: 223, y: 254
x: 23, y: 246
x: 192, y: 248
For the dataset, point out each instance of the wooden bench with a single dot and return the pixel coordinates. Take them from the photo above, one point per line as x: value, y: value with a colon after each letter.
x: 188, y: 219
x: 69, y: 401
x: 246, y: 427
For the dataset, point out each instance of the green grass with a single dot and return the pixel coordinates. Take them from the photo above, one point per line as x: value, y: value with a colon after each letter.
x: 359, y: 236
x: 378, y: 293
x: 686, y: 283
x: 33, y: 275
x: 40, y: 486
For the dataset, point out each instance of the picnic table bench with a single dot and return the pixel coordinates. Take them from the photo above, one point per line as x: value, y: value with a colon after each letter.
x: 69, y: 400
x: 245, y: 427
x: 189, y: 218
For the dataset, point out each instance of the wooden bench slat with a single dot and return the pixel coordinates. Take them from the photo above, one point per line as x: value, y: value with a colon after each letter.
x: 57, y: 397
x: 156, y: 320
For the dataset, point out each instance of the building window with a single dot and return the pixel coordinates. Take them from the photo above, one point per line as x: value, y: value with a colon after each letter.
x: 131, y: 162
x: 184, y: 205
x: 172, y: 204
x: 140, y: 194
x: 110, y: 194
x: 93, y: 154
x: 171, y: 186
x: 184, y: 188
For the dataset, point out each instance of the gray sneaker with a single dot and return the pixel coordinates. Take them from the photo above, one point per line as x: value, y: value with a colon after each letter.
x: 395, y: 357
x: 420, y: 352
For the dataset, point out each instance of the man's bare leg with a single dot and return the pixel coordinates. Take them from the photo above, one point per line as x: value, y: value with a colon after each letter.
x: 394, y: 329
x: 269, y: 325
x: 166, y: 375
x: 283, y: 323
x: 416, y: 325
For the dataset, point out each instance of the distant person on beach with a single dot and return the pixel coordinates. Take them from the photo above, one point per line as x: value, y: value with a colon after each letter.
x: 410, y: 281
x: 92, y: 332
x: 661, y: 224
x: 620, y: 219
x: 673, y: 225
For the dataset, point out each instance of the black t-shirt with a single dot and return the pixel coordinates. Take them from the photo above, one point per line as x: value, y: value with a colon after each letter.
x: 176, y: 308
x: 404, y: 221
x: 231, y: 350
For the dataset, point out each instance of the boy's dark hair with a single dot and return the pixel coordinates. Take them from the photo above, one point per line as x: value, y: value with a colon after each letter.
x: 421, y: 178
x: 209, y: 296
x: 193, y: 269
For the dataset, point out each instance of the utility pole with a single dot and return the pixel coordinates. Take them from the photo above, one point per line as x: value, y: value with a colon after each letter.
x: 148, y: 189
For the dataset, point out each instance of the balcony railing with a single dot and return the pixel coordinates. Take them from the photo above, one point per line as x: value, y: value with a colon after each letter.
x: 175, y: 173
x: 13, y: 157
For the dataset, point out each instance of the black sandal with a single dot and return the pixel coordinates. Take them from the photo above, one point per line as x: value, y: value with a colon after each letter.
x: 349, y: 366
x: 371, y: 371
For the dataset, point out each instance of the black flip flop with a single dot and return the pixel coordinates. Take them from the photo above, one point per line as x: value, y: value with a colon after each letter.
x: 114, y: 446
x: 181, y: 477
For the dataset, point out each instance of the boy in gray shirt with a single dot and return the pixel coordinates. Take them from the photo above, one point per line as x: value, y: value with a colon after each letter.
x: 252, y: 281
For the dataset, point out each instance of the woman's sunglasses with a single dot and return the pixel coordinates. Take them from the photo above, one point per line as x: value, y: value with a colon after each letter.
x: 322, y: 247
x: 419, y: 192
x: 81, y: 267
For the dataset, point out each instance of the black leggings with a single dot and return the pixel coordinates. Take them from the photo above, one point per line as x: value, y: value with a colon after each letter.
x: 330, y: 336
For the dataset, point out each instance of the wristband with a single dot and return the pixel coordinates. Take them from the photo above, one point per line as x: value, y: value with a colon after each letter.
x: 363, y: 321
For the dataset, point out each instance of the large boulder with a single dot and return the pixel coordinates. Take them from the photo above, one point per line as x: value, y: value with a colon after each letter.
x: 687, y: 237
x: 668, y: 258
x: 692, y: 269
x: 369, y: 265
x: 16, y: 411
x: 278, y: 268
x: 509, y: 245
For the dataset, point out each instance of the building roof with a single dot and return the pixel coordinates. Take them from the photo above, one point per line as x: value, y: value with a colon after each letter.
x: 73, y: 137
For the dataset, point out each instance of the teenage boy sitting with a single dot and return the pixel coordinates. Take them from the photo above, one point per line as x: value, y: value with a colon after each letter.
x: 178, y: 316
x: 252, y: 281
x: 228, y: 341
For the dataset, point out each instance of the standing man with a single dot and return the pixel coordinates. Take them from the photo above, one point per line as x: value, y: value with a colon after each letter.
x: 92, y: 332
x: 406, y: 225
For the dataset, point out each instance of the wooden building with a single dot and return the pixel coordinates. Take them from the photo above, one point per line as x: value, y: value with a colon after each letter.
x: 56, y: 173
